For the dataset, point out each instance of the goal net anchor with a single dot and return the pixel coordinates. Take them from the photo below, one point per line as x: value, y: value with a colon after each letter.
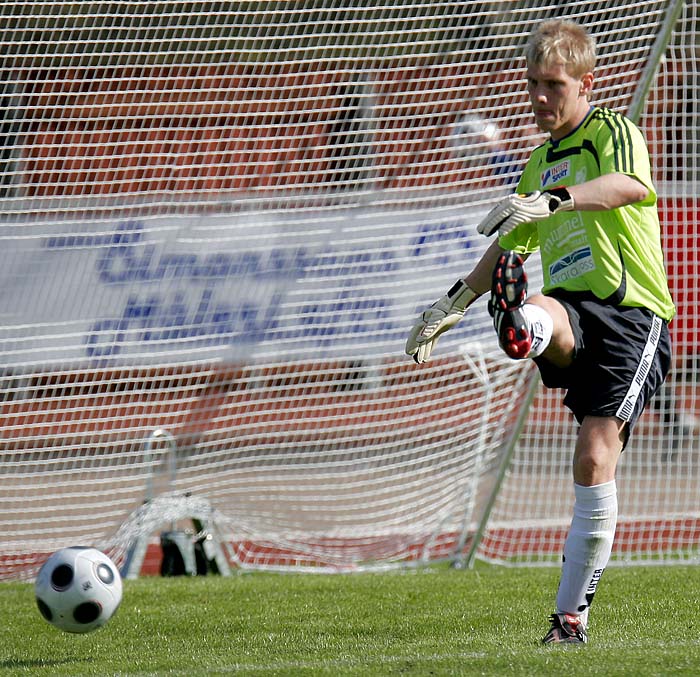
x: 185, y: 552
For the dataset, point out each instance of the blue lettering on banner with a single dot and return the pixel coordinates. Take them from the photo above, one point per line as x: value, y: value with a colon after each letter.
x: 125, y: 256
x: 157, y: 319
x: 122, y: 264
x: 188, y: 309
x: 430, y: 234
x: 126, y: 233
x: 350, y: 305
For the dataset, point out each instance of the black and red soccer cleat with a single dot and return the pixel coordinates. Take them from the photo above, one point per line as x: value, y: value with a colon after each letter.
x: 566, y: 629
x: 508, y: 293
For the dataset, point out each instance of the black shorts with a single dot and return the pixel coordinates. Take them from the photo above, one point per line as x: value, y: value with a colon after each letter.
x: 621, y: 358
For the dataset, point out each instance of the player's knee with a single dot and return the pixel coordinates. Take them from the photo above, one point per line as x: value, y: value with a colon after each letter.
x: 595, y: 458
x: 592, y: 468
x: 558, y: 353
x: 561, y: 345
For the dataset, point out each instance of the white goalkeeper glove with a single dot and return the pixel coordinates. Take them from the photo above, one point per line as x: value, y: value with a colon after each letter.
x: 436, y: 320
x: 525, y: 208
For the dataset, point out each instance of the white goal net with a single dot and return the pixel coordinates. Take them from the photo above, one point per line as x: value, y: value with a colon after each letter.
x: 218, y: 223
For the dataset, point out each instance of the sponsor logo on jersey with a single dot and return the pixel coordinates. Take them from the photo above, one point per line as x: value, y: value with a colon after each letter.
x: 553, y: 175
x: 578, y: 263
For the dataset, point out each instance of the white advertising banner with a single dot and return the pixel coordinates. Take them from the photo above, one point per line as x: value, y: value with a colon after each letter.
x: 234, y: 288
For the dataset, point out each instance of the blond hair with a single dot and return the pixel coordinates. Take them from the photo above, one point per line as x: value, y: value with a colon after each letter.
x: 560, y: 41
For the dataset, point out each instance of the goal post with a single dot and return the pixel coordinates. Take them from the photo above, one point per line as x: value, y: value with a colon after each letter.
x: 219, y: 222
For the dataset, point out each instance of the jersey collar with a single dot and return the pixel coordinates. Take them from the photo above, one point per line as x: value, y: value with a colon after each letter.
x: 555, y: 143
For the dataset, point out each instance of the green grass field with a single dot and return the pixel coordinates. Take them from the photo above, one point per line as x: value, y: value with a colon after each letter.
x: 439, y: 621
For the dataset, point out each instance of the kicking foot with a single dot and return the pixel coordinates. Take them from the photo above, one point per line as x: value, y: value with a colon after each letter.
x: 508, y: 292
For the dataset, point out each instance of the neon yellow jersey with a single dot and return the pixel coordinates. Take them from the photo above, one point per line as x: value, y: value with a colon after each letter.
x: 615, y: 254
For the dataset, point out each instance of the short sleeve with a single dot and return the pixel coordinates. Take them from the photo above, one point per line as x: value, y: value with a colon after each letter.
x: 622, y: 149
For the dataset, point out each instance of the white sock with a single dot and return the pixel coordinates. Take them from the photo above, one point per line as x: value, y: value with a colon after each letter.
x: 541, y: 326
x: 588, y: 546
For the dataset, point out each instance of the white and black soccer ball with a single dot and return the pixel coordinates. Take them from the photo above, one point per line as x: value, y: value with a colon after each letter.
x: 78, y: 589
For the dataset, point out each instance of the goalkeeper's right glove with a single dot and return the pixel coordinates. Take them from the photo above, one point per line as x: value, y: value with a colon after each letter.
x: 436, y: 320
x: 517, y: 208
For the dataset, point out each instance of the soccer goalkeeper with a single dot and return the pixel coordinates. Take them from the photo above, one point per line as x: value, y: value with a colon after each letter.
x: 598, y: 329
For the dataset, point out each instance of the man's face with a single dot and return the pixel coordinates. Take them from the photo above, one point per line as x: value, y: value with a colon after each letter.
x: 559, y: 101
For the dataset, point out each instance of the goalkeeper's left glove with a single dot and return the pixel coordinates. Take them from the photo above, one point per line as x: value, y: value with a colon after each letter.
x: 525, y: 208
x: 436, y: 320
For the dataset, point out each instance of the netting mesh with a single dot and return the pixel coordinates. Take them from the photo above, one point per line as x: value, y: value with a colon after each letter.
x: 220, y: 219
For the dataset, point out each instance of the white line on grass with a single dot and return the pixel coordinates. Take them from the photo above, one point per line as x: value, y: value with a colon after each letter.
x: 282, y: 666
